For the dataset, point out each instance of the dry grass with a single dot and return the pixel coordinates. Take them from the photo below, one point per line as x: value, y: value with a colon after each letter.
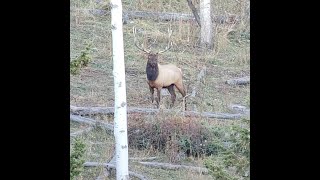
x: 94, y: 85
x: 100, y: 147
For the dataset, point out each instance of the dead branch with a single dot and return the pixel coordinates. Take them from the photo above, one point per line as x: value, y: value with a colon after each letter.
x: 197, y: 85
x: 175, y: 167
x: 199, y: 78
x: 239, y: 81
x: 78, y: 133
x: 95, y: 164
x: 194, y: 11
x: 112, y: 166
x: 91, y: 110
x: 91, y: 122
x: 110, y: 110
x: 105, y: 173
x: 80, y: 119
x: 239, y: 108
x: 113, y: 159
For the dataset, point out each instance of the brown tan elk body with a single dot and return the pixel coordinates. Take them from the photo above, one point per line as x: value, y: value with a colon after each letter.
x: 162, y: 76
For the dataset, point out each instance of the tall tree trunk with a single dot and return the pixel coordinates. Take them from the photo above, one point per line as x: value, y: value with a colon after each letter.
x: 206, y: 24
x: 120, y: 105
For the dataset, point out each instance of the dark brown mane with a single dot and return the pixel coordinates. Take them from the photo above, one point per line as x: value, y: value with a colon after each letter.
x: 152, y: 68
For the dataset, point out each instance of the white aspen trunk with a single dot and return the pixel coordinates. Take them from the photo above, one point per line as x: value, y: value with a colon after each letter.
x: 206, y: 23
x: 120, y: 104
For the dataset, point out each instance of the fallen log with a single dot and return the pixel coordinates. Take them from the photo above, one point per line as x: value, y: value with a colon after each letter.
x: 175, y: 167
x: 162, y: 16
x: 166, y: 16
x: 112, y: 166
x: 159, y: 16
x: 110, y: 111
x: 91, y: 122
x: 143, y: 158
x: 213, y: 115
x: 239, y: 81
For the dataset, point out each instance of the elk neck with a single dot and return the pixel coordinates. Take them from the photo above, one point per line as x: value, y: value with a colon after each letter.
x: 152, y: 69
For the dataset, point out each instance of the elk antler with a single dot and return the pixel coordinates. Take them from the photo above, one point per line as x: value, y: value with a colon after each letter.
x: 135, y: 42
x: 169, y: 43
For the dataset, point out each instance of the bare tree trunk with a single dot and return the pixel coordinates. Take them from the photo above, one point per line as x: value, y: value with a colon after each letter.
x: 206, y: 24
x: 194, y: 11
x: 120, y: 105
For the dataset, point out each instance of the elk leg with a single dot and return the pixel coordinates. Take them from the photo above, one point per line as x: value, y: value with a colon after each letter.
x: 151, y: 91
x: 181, y: 89
x: 173, y: 94
x: 158, y: 97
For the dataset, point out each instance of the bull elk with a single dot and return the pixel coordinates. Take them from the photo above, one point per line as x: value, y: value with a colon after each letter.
x: 162, y: 76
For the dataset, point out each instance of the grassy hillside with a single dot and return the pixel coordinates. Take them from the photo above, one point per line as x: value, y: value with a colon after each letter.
x: 230, y: 58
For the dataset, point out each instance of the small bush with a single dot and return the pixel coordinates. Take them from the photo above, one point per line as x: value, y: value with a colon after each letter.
x: 77, y: 158
x: 232, y: 161
x: 226, y: 149
x: 170, y: 135
x: 80, y: 61
x: 217, y: 170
